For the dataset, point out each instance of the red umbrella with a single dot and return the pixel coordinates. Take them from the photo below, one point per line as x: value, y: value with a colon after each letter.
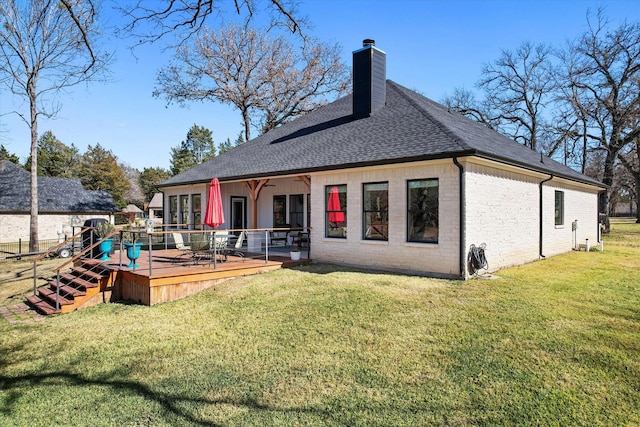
x: 214, y: 215
x: 335, y: 211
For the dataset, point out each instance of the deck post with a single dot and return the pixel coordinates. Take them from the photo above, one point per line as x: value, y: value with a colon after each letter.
x: 215, y: 250
x: 150, y: 255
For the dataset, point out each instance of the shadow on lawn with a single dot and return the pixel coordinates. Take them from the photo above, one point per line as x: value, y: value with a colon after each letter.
x: 169, y: 402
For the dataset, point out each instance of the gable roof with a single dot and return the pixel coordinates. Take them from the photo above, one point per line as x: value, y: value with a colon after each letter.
x: 54, y: 194
x: 410, y: 127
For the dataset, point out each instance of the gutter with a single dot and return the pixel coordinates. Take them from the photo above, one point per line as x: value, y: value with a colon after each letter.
x: 541, y: 255
x: 462, y: 217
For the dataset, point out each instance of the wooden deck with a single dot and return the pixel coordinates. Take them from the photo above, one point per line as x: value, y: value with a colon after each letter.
x: 173, y: 277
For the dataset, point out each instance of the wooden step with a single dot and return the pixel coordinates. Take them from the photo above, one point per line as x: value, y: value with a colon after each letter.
x: 77, y: 282
x: 50, y: 296
x: 68, y: 289
x: 41, y: 306
x: 92, y: 275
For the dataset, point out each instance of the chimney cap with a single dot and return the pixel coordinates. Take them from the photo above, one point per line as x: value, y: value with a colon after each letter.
x: 368, y: 42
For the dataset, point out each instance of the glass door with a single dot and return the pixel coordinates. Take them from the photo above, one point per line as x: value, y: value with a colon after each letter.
x: 238, y: 213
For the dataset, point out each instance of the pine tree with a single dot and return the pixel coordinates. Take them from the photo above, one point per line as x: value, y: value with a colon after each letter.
x: 6, y: 155
x: 149, y: 180
x: 99, y: 170
x: 55, y: 158
x: 197, y: 148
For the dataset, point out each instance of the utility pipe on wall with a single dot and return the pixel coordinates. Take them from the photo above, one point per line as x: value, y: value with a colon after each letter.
x: 541, y: 255
x: 462, y: 222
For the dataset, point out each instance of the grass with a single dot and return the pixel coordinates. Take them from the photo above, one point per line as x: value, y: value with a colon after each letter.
x: 555, y: 342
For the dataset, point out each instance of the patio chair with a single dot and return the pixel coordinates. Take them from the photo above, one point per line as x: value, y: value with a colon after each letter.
x: 200, y: 247
x: 221, y: 242
x: 235, y: 249
x: 180, y: 245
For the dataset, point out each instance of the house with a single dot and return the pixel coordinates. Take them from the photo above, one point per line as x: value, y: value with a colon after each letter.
x: 388, y: 179
x: 59, y: 201
x: 154, y: 209
x: 132, y: 212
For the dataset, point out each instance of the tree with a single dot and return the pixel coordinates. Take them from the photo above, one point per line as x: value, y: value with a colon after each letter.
x: 151, y: 20
x: 631, y: 161
x: 99, y: 170
x: 239, y: 140
x: 6, y: 155
x: 465, y: 102
x: 225, y: 146
x: 45, y: 47
x: 55, y: 158
x: 518, y: 86
x: 264, y: 78
x: 134, y: 194
x: 602, y: 72
x: 150, y: 178
x: 197, y: 148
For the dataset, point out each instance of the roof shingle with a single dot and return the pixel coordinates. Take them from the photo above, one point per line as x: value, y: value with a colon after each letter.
x: 410, y: 127
x: 54, y: 194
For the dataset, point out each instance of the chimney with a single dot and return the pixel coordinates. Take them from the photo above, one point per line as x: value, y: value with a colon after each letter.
x: 369, y: 79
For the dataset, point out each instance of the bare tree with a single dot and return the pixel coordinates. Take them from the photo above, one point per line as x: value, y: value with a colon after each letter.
x: 45, y: 47
x: 631, y: 161
x: 603, y: 70
x: 518, y: 86
x: 152, y: 20
x: 262, y: 77
x: 465, y: 102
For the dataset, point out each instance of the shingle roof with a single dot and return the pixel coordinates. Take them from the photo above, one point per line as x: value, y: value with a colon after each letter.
x: 54, y: 194
x: 410, y: 127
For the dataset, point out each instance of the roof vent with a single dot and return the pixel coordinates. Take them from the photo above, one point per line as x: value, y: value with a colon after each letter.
x: 368, y: 42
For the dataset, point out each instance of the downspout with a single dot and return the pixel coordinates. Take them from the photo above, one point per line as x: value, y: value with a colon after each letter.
x: 541, y: 255
x: 462, y: 213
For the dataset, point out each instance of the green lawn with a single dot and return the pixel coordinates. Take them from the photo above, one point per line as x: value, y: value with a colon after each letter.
x: 555, y: 342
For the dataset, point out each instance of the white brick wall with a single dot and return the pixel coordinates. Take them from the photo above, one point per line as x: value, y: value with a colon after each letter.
x: 503, y: 211
x: 50, y: 226
x: 441, y: 258
x: 579, y: 204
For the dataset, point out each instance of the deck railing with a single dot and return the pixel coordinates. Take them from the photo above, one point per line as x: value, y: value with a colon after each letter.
x: 258, y: 244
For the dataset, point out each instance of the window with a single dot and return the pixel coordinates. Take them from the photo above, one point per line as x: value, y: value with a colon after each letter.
x: 559, y: 211
x: 279, y: 211
x: 296, y: 210
x: 336, y: 212
x: 173, y: 209
x: 184, y: 211
x: 197, y: 211
x: 375, y: 207
x: 422, y: 211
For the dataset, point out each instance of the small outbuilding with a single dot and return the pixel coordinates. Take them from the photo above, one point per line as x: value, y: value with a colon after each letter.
x: 61, y: 202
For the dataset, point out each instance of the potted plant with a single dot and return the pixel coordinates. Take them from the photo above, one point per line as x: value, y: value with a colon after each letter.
x: 102, y: 230
x: 131, y: 246
x: 294, y: 253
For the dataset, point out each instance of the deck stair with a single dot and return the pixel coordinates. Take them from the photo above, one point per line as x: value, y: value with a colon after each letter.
x: 77, y: 286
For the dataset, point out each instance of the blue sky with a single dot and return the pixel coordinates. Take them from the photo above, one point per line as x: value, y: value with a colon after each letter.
x: 432, y: 46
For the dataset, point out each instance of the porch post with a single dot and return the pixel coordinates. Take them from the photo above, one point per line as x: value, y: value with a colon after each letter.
x: 306, y: 180
x: 254, y: 186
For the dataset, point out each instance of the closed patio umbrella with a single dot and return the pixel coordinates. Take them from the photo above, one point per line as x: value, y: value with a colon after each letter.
x: 336, y: 214
x: 214, y: 215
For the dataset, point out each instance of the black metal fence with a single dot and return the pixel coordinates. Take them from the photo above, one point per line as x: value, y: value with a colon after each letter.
x: 20, y: 248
